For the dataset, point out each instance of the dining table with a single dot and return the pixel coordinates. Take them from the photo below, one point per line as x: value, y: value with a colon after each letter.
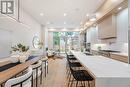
x: 9, y: 70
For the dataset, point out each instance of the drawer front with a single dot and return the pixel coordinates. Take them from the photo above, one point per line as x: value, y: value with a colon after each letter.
x: 119, y: 58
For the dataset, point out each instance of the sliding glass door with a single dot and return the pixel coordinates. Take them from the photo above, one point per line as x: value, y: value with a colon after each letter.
x: 63, y: 41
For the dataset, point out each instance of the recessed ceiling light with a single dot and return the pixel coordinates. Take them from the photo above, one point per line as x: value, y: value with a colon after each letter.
x: 114, y: 0
x: 87, y: 15
x: 87, y: 23
x: 93, y: 19
x: 64, y: 29
x: 52, y: 29
x: 41, y: 14
x: 81, y: 23
x: 48, y: 22
x: 119, y: 8
x: 65, y: 14
x: 64, y: 22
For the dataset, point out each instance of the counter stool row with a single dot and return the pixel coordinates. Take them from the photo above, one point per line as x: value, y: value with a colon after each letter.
x: 76, y: 72
x: 30, y: 76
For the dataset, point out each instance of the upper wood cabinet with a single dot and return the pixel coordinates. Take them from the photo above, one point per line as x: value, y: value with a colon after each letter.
x: 107, y: 27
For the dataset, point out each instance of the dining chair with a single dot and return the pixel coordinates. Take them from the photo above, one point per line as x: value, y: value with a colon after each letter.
x: 45, y: 65
x: 37, y: 67
x: 21, y: 81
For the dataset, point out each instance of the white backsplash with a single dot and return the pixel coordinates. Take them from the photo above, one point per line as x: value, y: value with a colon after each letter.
x: 122, y: 47
x: 95, y: 46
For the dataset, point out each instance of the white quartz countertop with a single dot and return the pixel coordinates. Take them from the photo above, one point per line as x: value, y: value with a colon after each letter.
x: 102, y: 66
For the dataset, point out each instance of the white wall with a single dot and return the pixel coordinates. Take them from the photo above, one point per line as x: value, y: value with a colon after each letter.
x: 50, y: 40
x: 5, y: 42
x: 25, y: 35
x: 20, y: 33
x: 46, y: 37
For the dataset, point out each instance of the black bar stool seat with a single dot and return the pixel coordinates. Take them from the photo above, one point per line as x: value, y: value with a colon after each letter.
x: 70, y: 55
x: 75, y: 64
x: 73, y: 58
x: 79, y: 76
x: 82, y: 75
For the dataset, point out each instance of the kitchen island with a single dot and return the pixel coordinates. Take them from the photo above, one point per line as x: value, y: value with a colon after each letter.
x: 105, y: 71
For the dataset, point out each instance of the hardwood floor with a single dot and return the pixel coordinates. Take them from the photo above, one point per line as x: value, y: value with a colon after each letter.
x: 57, y: 74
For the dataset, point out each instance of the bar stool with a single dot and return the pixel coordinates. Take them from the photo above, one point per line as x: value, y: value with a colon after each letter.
x: 45, y: 64
x: 73, y: 64
x: 73, y: 61
x: 79, y: 75
x: 21, y: 81
x: 71, y: 56
x: 37, y: 67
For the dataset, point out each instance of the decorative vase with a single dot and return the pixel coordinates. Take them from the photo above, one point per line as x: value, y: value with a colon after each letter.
x: 14, y: 58
x: 22, y: 59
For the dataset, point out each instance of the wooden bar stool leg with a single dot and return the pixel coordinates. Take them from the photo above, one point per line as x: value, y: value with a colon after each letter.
x: 69, y: 80
x: 68, y: 74
x: 41, y: 77
x: 88, y: 84
x: 84, y: 83
x: 72, y: 82
x: 45, y: 69
x: 81, y: 83
x: 32, y: 81
x: 36, y: 77
x: 77, y: 84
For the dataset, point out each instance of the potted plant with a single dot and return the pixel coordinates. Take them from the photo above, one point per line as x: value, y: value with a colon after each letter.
x: 40, y: 45
x: 21, y: 48
x: 21, y: 52
x: 99, y: 48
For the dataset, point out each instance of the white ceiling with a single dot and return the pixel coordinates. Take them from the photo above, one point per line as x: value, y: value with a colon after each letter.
x: 54, y: 11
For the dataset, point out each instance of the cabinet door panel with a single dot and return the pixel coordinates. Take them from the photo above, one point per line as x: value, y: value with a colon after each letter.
x: 92, y: 35
x: 89, y: 35
x: 107, y: 28
x: 119, y: 58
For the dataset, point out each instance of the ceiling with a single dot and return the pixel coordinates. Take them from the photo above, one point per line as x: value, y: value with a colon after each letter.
x: 54, y: 11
